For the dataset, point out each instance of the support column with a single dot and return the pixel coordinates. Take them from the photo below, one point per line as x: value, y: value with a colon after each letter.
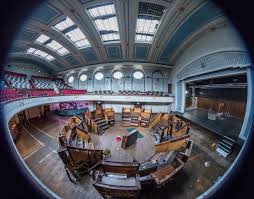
x: 249, y: 115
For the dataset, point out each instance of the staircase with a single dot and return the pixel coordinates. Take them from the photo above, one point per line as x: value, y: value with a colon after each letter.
x: 225, y: 146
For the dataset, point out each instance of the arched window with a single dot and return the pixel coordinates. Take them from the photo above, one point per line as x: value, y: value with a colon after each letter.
x: 70, y: 79
x: 138, y: 80
x: 157, y: 81
x: 117, y: 81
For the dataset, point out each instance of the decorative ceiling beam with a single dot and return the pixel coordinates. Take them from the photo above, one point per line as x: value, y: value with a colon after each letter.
x: 172, y: 19
x: 121, y: 8
x: 77, y: 12
x: 133, y: 7
x: 28, y: 44
x: 41, y: 28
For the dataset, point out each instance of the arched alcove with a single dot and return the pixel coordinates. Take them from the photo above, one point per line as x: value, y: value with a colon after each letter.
x: 138, y: 83
x: 157, y: 81
x: 117, y: 80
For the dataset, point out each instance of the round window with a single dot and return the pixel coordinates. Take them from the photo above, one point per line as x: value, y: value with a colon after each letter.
x: 70, y: 79
x: 83, y: 77
x: 117, y: 75
x: 99, y: 76
x: 138, y: 74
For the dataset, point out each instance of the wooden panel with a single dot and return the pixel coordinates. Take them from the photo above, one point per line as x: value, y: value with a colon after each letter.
x: 172, y: 144
x: 235, y: 108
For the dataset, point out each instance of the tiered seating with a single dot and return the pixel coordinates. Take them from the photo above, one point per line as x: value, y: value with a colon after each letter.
x: 61, y: 84
x: 42, y: 82
x: 109, y: 115
x: 165, y: 127
x: 74, y: 134
x: 145, y: 117
x: 3, y: 84
x: 135, y: 114
x: 79, y: 161
x: 116, y: 186
x: 72, y: 92
x: 16, y: 80
x: 158, y: 169
x: 126, y: 116
x: 40, y: 92
x: 99, y: 120
x: 10, y: 94
x: 106, y: 92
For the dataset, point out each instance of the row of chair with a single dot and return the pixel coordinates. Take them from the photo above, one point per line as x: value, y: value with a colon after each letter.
x: 10, y: 94
x: 72, y: 92
x: 139, y: 93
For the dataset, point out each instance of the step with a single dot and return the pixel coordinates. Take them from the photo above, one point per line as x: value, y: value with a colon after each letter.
x: 228, y: 138
x: 221, y: 152
x: 227, y: 146
x: 223, y: 148
x: 227, y: 142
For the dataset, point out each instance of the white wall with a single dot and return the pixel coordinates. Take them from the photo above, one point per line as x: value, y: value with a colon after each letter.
x: 222, y: 39
x: 148, y: 83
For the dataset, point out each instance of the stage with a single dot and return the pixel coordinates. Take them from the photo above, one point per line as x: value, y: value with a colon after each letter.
x: 230, y: 127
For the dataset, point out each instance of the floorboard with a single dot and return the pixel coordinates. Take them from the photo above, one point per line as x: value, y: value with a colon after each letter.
x: 48, y: 167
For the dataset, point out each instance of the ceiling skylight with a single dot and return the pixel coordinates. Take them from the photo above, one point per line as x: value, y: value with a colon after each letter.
x: 40, y: 53
x: 42, y: 39
x: 52, y: 44
x: 66, y: 23
x: 73, y: 33
x: 148, y: 21
x: 104, y: 17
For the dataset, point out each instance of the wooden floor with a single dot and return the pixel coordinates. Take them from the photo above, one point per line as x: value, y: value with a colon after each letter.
x: 37, y: 144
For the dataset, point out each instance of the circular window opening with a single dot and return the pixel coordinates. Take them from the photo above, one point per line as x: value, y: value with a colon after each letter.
x: 83, y: 77
x: 70, y: 79
x: 117, y: 75
x: 99, y: 76
x: 138, y: 74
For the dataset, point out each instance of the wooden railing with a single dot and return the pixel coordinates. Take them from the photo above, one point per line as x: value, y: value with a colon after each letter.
x: 155, y: 120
